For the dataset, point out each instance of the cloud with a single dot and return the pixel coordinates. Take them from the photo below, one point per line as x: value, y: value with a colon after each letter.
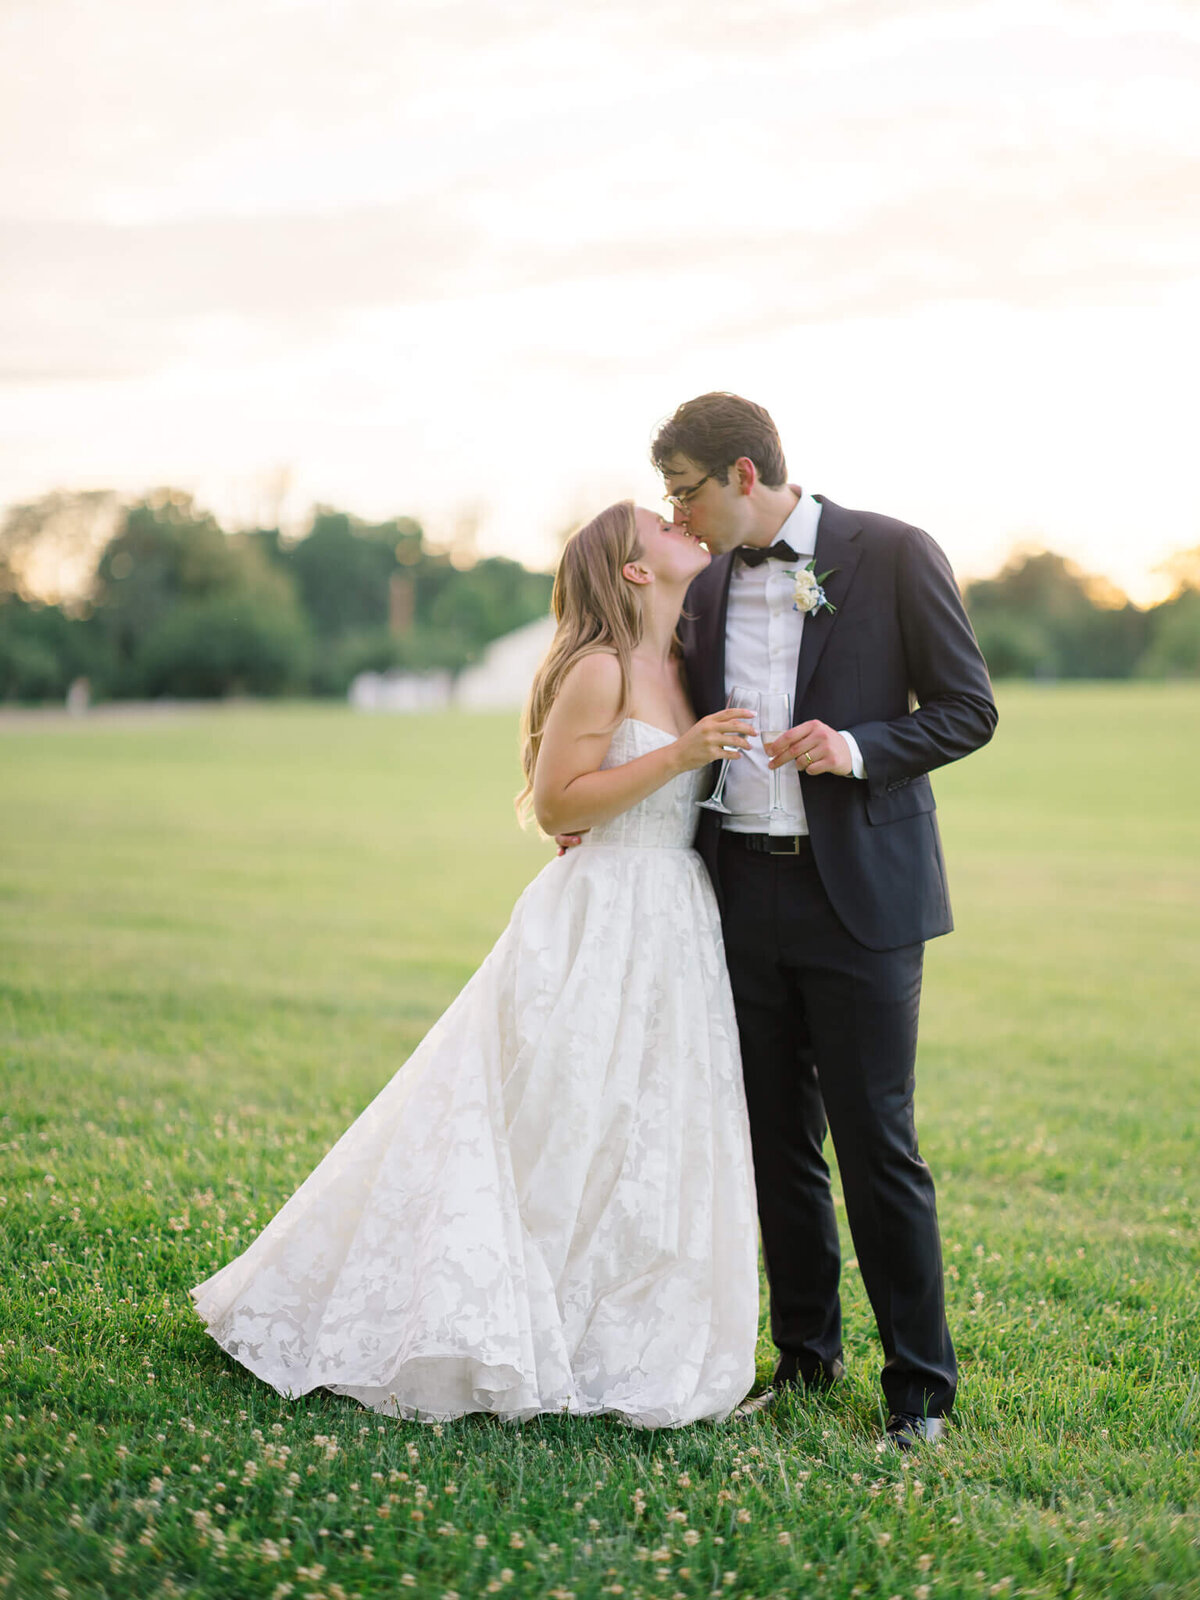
x: 84, y: 298
x: 89, y: 299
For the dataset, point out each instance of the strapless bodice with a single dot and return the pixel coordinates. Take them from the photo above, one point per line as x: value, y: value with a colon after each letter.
x: 664, y: 820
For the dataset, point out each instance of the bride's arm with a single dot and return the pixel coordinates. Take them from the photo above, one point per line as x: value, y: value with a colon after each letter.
x: 570, y: 793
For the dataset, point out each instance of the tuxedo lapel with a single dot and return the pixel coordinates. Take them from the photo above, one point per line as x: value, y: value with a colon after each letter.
x: 708, y: 601
x: 838, y: 554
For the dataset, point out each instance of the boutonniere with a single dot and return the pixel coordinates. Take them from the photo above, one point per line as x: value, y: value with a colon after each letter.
x: 809, y: 595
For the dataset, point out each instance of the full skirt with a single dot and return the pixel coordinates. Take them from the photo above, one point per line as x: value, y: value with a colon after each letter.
x: 550, y: 1206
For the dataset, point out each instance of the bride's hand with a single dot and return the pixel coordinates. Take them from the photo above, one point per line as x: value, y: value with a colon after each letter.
x: 721, y: 737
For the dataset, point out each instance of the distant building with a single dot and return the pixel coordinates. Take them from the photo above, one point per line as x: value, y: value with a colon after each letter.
x: 500, y: 682
x: 401, y: 691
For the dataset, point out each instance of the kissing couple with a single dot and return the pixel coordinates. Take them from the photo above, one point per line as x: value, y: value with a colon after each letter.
x: 552, y: 1205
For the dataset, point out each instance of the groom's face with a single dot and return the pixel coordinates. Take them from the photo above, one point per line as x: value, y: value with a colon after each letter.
x: 711, y: 510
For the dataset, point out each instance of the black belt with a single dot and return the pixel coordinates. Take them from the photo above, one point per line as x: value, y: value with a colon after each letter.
x: 771, y: 844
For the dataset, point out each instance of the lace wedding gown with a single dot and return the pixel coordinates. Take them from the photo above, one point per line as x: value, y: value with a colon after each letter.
x: 550, y: 1207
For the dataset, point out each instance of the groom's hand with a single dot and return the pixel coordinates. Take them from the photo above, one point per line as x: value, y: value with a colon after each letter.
x: 815, y: 748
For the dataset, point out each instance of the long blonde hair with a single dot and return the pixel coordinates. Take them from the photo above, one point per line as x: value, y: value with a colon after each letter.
x: 596, y: 609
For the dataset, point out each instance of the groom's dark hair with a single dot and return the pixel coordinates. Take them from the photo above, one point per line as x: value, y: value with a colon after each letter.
x: 715, y: 430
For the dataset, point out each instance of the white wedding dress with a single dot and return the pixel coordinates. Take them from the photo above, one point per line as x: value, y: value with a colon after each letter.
x: 550, y: 1207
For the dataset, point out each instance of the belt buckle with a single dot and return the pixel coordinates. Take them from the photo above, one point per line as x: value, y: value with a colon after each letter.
x: 793, y: 840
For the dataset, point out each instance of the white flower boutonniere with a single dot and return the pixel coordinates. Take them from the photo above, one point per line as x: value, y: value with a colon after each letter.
x: 809, y: 595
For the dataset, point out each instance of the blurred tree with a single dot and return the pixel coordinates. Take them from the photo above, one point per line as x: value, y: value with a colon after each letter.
x: 1183, y: 568
x: 1174, y: 649
x: 1108, y: 641
x: 380, y: 598
x: 166, y: 550
x: 421, y: 649
x: 491, y: 598
x: 42, y: 649
x: 1042, y: 617
x: 49, y: 547
x: 1013, y: 646
x: 342, y: 568
x: 168, y: 572
x: 244, y: 641
x: 337, y: 662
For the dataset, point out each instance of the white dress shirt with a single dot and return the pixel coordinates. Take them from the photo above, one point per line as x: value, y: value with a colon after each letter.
x: 763, y: 631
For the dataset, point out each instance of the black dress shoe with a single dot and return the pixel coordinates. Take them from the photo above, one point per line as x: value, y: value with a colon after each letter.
x: 905, y: 1430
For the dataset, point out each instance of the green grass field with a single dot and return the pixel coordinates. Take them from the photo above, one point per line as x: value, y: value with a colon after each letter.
x: 221, y: 933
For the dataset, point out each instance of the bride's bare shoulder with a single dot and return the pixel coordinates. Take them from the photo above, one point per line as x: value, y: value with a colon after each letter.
x: 590, y: 693
x: 599, y: 669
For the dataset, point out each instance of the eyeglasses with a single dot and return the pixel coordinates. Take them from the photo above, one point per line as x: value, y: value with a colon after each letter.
x: 684, y: 497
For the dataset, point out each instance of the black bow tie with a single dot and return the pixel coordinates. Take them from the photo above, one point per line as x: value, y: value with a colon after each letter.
x: 754, y: 555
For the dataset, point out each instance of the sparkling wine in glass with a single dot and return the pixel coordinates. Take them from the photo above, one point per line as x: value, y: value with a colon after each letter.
x: 740, y: 699
x: 774, y: 719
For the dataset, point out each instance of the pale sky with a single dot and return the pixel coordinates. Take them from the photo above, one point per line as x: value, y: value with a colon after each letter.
x: 456, y: 258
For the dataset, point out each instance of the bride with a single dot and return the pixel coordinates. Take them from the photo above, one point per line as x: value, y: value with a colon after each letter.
x: 550, y: 1207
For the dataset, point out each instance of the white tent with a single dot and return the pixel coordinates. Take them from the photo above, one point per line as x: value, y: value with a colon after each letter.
x: 501, y: 680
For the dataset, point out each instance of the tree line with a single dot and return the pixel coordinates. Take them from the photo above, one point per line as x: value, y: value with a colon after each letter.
x: 1041, y: 617
x: 174, y: 606
x: 159, y: 600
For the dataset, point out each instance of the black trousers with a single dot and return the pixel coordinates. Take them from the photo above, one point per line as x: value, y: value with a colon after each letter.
x: 828, y: 1034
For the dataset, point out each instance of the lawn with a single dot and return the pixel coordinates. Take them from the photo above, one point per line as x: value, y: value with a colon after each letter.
x: 222, y: 931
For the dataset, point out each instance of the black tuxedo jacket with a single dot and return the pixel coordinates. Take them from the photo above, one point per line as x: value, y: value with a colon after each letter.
x: 897, y: 666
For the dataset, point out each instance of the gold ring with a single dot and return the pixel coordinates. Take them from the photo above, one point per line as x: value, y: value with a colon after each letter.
x: 808, y: 758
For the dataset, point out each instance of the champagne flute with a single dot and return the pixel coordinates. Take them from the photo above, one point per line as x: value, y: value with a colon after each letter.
x: 775, y: 718
x: 740, y: 699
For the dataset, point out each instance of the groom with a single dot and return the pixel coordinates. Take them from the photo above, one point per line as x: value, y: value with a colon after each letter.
x: 825, y: 913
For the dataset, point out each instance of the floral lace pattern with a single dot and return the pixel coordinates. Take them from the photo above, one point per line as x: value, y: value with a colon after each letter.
x: 550, y: 1207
